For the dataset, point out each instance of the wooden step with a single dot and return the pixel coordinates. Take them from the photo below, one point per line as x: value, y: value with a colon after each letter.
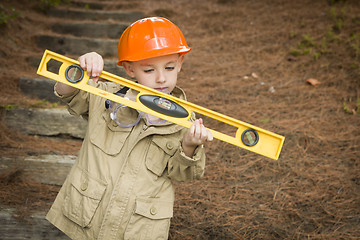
x: 86, y: 5
x: 99, y: 5
x: 45, y: 122
x: 38, y: 88
x: 95, y: 15
x: 68, y: 45
x: 47, y: 169
x: 91, y: 30
x: 34, y: 226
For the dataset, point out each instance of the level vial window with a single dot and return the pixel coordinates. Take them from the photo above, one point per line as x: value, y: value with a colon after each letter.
x: 74, y: 73
x: 250, y: 137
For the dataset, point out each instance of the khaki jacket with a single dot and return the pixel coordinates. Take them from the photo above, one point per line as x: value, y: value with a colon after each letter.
x: 120, y: 186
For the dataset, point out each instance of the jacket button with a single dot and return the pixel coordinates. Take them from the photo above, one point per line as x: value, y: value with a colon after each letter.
x: 153, y: 210
x: 84, y: 186
x: 169, y: 145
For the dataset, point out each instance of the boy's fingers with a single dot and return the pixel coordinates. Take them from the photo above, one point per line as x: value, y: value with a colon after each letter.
x: 192, y: 129
x: 88, y: 65
x: 209, y: 136
x: 93, y: 64
x: 95, y: 79
x: 98, y: 67
x: 198, y: 129
x: 88, y: 69
x: 205, y: 134
x: 94, y: 70
x: 82, y: 62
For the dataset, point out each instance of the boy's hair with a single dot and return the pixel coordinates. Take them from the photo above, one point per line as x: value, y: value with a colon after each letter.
x: 151, y: 37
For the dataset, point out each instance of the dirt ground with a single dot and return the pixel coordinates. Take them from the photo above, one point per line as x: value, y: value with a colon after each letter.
x: 251, y: 60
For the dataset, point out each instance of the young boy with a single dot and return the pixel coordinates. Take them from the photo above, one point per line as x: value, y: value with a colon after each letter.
x: 120, y: 186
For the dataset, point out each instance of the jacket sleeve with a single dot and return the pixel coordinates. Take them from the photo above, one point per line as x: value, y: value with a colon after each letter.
x: 79, y: 101
x: 183, y: 168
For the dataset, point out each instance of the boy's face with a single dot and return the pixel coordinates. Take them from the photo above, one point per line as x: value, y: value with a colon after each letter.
x: 159, y: 73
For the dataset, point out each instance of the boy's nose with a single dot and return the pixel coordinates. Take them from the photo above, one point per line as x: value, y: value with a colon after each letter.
x: 160, y: 77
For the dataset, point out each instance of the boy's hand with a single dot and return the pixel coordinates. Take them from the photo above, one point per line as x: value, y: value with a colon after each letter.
x: 195, y: 136
x: 93, y: 63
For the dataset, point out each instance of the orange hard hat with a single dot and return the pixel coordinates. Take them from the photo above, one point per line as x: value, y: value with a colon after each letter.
x: 151, y: 37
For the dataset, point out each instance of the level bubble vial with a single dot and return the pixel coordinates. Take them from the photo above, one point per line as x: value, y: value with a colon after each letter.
x: 250, y: 137
x: 74, y: 73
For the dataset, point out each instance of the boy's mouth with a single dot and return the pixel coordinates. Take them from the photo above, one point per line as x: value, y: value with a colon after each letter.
x: 163, y: 89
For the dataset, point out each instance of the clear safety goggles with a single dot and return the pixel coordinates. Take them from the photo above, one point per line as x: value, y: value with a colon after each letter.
x: 125, y: 116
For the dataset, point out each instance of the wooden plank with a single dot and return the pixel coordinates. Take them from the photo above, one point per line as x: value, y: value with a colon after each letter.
x: 45, y: 122
x: 34, y: 226
x: 47, y: 169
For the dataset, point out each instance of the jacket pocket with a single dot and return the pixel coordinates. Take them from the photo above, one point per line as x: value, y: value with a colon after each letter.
x: 160, y: 151
x: 151, y: 219
x: 107, y: 135
x: 83, y: 197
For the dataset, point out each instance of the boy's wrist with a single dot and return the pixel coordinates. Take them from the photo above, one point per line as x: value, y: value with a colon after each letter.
x: 189, y: 150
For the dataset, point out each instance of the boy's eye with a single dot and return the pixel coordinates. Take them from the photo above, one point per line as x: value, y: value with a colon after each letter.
x: 148, y: 70
x: 170, y: 68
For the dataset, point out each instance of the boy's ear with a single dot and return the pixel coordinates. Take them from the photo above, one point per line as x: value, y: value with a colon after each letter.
x: 181, y: 59
x: 129, y: 69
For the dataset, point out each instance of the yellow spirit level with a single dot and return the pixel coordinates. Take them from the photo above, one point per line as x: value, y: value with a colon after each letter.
x: 163, y: 106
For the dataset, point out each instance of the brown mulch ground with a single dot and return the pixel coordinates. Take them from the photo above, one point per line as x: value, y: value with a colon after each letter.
x: 250, y: 60
x: 24, y: 194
